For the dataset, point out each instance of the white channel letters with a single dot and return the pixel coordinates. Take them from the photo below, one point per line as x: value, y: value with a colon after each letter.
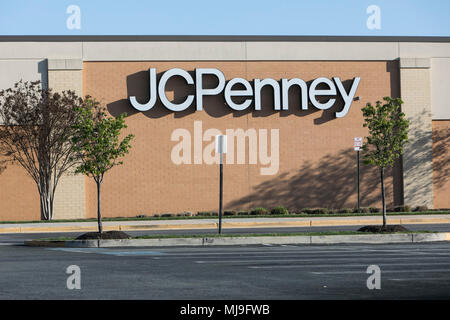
x: 281, y: 102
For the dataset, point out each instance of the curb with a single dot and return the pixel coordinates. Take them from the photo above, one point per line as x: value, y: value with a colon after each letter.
x: 228, y: 224
x: 229, y: 241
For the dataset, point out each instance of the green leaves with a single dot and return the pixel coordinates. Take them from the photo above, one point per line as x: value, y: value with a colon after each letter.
x: 97, y: 139
x: 388, y: 132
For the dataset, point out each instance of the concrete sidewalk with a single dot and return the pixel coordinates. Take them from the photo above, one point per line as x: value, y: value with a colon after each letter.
x: 186, y: 224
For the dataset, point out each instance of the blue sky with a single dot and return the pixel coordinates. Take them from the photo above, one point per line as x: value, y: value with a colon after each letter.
x: 226, y: 17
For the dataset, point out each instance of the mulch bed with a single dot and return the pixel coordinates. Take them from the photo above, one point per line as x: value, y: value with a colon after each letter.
x: 381, y: 229
x: 104, y: 235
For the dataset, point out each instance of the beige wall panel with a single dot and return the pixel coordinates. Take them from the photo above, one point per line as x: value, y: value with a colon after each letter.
x: 70, y: 196
x: 66, y: 80
x: 322, y: 51
x: 423, y: 49
x: 26, y: 70
x: 440, y: 85
x: 38, y: 50
x: 417, y: 158
x: 123, y: 51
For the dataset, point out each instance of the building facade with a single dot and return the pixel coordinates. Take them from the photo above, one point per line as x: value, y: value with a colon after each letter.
x: 290, y: 107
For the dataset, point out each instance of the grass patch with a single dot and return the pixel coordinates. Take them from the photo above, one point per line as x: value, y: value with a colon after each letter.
x: 300, y: 234
x: 415, y: 213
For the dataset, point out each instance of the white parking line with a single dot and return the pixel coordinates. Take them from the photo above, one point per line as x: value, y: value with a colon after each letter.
x: 109, y: 251
x: 303, y: 256
x: 265, y: 253
x: 419, y: 279
x: 350, y: 265
x: 374, y: 259
x: 384, y: 271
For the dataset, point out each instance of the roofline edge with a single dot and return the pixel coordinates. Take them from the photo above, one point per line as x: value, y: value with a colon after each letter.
x: 219, y: 38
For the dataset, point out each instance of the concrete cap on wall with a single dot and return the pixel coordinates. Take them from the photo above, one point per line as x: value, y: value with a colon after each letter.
x: 65, y: 64
x: 415, y: 63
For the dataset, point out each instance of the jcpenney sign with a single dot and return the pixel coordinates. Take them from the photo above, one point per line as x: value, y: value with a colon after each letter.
x: 281, y: 100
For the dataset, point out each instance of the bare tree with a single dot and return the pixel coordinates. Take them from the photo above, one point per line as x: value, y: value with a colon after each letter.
x: 35, y: 132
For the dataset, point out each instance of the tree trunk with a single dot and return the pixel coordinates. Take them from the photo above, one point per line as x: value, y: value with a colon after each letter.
x: 99, y: 214
x: 46, y: 201
x: 383, y: 196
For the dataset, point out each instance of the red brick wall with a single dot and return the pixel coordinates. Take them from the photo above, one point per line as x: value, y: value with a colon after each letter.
x: 317, y: 163
x: 441, y: 163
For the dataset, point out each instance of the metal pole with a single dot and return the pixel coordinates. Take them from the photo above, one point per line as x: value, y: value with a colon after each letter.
x: 220, y: 193
x: 357, y: 160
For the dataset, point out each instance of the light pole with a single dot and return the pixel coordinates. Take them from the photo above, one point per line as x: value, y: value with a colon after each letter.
x: 221, y: 148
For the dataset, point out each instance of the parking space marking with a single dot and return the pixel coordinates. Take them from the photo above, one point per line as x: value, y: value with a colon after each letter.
x: 350, y: 265
x: 385, y: 271
x: 300, y: 259
x: 419, y: 279
x: 110, y: 252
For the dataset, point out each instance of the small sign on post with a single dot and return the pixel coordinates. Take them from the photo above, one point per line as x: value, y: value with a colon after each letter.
x: 221, y: 144
x: 357, y: 143
x: 221, y: 149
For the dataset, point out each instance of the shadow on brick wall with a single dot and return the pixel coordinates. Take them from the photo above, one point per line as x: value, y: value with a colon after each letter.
x: 331, y: 183
x: 441, y: 153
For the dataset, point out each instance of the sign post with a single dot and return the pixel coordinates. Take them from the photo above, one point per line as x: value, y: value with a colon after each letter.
x: 357, y: 144
x: 221, y: 148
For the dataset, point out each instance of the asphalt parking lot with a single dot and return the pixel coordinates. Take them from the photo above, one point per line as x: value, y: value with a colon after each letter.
x: 408, y: 271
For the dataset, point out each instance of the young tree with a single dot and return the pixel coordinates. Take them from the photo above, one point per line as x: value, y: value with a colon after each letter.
x: 388, y: 132
x: 35, y: 132
x: 96, y: 138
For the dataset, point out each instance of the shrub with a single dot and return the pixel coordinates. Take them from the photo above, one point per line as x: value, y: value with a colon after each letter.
x: 258, y: 211
x: 156, y: 215
x: 421, y: 208
x: 374, y: 210
x: 333, y: 211
x: 279, y: 210
x: 230, y: 213
x: 204, y: 213
x: 402, y: 209
x: 315, y: 210
x: 321, y: 211
x: 365, y: 210
x: 243, y: 213
x: 165, y: 215
x: 345, y: 210
x: 140, y: 216
x: 188, y: 214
